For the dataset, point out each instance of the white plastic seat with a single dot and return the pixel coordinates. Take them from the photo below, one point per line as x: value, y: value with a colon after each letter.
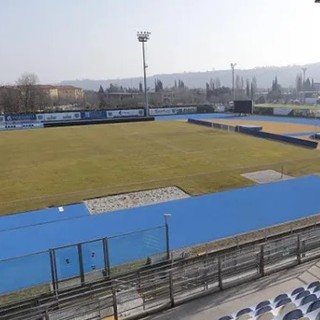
x: 263, y: 310
x: 314, y: 315
x: 285, y: 309
x: 245, y: 316
x: 265, y: 316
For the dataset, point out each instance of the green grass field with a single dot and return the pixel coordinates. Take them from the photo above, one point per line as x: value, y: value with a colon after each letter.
x: 45, y: 167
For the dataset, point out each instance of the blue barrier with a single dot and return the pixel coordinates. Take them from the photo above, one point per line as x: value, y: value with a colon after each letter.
x: 200, y: 122
x: 259, y: 134
x: 212, y: 125
x: 278, y: 137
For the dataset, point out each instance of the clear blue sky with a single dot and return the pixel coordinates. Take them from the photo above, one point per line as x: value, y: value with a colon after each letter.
x: 77, y: 39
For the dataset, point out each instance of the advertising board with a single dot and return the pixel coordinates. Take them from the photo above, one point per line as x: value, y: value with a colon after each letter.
x: 20, y: 117
x: 97, y: 114
x: 125, y: 113
x: 281, y: 111
x: 61, y: 116
x: 172, y: 111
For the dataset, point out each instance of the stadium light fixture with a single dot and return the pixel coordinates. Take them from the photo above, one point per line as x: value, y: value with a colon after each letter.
x: 233, y: 65
x: 143, y: 37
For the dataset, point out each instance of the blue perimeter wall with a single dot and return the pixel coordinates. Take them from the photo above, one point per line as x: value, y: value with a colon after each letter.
x: 259, y: 134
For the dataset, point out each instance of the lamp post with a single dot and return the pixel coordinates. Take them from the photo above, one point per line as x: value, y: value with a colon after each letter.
x: 166, y: 218
x: 143, y: 37
x: 233, y: 65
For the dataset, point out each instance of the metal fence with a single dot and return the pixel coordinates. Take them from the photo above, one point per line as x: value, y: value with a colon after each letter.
x: 179, y: 281
x: 154, y: 287
x: 74, y: 265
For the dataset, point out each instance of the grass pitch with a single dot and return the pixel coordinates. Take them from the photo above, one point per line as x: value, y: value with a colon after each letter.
x: 46, y: 167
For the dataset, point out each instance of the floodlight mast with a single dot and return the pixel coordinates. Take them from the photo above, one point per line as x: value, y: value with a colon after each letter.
x: 233, y: 65
x: 143, y: 37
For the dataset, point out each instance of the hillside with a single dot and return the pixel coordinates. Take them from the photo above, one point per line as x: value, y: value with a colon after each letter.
x: 286, y: 77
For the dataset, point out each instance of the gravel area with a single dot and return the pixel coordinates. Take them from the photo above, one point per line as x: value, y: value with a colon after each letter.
x: 265, y: 176
x: 134, y: 199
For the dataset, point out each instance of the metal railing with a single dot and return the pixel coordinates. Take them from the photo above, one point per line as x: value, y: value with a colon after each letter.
x: 155, y: 287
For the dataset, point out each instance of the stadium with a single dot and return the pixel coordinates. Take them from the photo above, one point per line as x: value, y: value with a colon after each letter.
x: 196, y: 200
x: 126, y: 215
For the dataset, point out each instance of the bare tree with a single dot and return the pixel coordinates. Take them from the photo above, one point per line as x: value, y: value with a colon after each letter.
x: 27, y: 85
x: 9, y: 100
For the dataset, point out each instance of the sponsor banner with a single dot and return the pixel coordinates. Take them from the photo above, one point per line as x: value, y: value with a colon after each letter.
x: 172, y: 111
x: 184, y: 110
x: 281, y: 111
x: 161, y: 112
x: 93, y: 115
x: 125, y: 113
x: 2, y: 119
x: 61, y: 116
x: 20, y: 117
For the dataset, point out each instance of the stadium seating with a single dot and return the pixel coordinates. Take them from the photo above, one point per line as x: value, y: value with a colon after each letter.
x: 302, y: 303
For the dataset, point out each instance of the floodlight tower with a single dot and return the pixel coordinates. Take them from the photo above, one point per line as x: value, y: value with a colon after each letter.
x: 143, y: 37
x: 304, y: 70
x: 233, y: 65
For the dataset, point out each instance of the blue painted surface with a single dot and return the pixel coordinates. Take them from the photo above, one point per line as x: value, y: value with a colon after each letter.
x: 21, y: 220
x: 194, y: 220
